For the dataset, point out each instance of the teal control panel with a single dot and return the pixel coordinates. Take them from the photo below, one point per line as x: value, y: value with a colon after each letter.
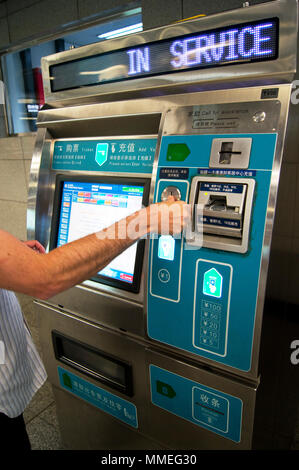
x: 206, y: 407
x: 202, y: 299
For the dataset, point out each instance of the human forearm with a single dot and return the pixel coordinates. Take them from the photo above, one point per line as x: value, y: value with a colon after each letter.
x: 43, y: 276
x: 84, y: 258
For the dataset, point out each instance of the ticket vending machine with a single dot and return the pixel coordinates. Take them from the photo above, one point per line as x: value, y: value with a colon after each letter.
x: 162, y: 349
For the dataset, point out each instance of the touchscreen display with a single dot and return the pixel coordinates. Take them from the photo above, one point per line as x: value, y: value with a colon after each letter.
x: 88, y: 207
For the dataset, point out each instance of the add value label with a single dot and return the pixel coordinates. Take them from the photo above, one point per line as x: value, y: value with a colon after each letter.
x: 129, y: 155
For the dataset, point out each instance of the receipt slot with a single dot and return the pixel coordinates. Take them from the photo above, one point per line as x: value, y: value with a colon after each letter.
x: 164, y: 347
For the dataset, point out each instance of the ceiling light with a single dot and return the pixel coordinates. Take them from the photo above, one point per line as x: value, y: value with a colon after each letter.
x: 134, y: 28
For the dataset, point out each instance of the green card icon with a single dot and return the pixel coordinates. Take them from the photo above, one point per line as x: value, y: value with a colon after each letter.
x: 177, y: 152
x: 165, y: 389
x: 67, y: 380
x: 212, y: 283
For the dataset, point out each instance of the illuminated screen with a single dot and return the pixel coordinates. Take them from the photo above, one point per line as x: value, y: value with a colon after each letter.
x: 88, y: 207
x: 246, y: 42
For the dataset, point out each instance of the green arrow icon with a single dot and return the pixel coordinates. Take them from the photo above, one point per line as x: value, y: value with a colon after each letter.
x: 165, y: 389
x: 177, y: 152
x: 101, y: 153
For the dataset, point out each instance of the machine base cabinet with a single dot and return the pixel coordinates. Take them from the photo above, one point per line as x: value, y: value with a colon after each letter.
x: 192, y: 408
x: 169, y: 404
x: 83, y: 427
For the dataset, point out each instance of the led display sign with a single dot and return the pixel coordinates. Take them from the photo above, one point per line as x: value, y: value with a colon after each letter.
x: 247, y: 42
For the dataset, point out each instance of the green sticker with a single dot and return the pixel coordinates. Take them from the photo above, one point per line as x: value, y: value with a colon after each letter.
x: 165, y: 389
x: 177, y: 152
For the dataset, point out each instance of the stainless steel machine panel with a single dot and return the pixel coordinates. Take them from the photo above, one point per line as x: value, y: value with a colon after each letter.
x: 92, y: 413
x: 84, y: 428
x: 76, y: 387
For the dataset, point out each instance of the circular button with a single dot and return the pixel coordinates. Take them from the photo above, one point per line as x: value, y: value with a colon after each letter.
x: 259, y: 116
x: 164, y: 275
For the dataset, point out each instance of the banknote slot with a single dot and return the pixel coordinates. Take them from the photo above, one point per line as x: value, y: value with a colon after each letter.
x: 222, y: 213
x: 221, y: 210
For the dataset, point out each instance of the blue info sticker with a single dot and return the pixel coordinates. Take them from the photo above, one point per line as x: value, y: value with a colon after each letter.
x: 100, y: 398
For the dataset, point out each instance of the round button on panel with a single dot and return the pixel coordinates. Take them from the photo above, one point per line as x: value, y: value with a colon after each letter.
x: 259, y: 116
x: 171, y: 191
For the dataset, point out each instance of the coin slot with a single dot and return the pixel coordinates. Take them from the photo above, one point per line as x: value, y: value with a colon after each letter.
x: 171, y: 191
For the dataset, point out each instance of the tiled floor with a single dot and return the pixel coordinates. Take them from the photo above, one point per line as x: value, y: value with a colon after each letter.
x: 40, y: 415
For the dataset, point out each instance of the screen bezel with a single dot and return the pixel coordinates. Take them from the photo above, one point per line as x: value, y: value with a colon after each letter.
x: 126, y: 180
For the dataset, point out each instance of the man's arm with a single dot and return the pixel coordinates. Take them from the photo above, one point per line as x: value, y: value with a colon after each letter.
x: 44, y: 275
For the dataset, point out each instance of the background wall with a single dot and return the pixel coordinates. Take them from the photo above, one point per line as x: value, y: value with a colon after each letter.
x: 15, y: 161
x: 21, y: 20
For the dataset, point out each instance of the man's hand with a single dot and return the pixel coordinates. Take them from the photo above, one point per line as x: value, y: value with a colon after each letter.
x: 36, y: 246
x: 169, y: 217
